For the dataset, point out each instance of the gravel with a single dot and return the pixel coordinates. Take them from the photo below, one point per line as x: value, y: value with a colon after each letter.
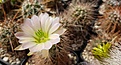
x: 8, y: 57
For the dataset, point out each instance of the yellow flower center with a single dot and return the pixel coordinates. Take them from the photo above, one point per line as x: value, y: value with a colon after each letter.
x: 41, y: 36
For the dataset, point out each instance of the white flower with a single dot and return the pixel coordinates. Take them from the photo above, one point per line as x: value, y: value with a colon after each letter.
x: 40, y: 32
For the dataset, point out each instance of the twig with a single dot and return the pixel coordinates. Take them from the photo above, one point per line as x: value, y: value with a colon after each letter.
x: 16, y: 14
x: 11, y: 44
x: 57, y: 10
x: 4, y: 13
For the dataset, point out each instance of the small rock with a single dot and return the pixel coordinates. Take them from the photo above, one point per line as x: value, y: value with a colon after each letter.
x: 13, y: 63
x: 27, y: 63
x: 73, y: 45
x: 5, y: 58
x: 10, y: 61
x: 1, y: 50
x: 17, y: 59
x: 33, y: 61
x: 2, y: 56
x: 70, y: 56
x: 17, y: 62
x: 75, y: 58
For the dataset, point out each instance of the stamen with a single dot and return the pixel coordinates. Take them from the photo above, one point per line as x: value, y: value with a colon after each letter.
x: 41, y: 36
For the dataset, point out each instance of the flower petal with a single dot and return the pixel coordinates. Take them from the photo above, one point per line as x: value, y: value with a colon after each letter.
x: 26, y: 40
x: 19, y: 48
x: 28, y: 45
x: 40, y: 16
x: 27, y: 30
x: 23, y: 38
x: 54, y: 28
x: 55, y: 41
x: 44, y: 17
x: 35, y: 22
x: 43, y: 20
x: 60, y: 31
x: 55, y: 20
x: 31, y: 23
x: 36, y: 48
x: 28, y: 22
x: 19, y: 34
x: 54, y: 36
x: 47, y: 45
x: 48, y: 23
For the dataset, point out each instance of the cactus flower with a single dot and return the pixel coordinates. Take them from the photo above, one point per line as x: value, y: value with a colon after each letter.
x: 40, y: 33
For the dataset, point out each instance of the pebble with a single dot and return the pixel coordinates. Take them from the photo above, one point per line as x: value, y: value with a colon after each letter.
x: 10, y: 61
x: 74, y: 45
x: 9, y: 58
x: 1, y: 50
x: 5, y: 58
x: 27, y: 63
x: 2, y: 56
x: 17, y: 61
x: 13, y: 63
x: 70, y: 56
x: 33, y: 61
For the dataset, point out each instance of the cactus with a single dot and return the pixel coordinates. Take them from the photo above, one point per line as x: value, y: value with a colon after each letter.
x: 80, y: 13
x: 112, y: 2
x: 7, y: 38
x: 30, y: 8
x: 111, y: 22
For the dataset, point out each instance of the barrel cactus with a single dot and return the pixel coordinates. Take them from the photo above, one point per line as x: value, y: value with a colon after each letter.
x: 30, y: 8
